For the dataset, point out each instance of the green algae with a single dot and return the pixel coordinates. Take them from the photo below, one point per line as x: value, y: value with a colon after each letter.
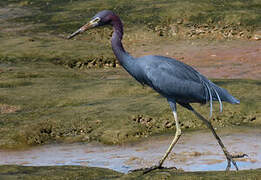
x: 12, y: 172
x: 43, y: 103
x: 181, y: 175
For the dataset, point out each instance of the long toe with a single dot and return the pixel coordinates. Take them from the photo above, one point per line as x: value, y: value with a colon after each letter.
x: 230, y: 158
x: 147, y: 170
x: 157, y: 167
x: 229, y: 164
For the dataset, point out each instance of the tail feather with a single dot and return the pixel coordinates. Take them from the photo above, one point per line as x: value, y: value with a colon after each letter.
x: 216, y: 93
x: 224, y: 95
x: 219, y: 100
x: 210, y: 99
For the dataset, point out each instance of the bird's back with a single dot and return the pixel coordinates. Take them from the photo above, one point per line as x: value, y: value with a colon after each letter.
x: 176, y: 80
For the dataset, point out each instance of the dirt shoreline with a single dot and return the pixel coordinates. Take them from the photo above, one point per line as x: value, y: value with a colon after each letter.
x: 230, y: 59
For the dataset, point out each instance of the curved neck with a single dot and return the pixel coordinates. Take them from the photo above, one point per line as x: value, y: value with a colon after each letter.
x: 124, y: 58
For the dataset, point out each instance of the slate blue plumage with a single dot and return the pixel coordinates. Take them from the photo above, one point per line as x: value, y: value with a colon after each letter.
x: 174, y: 80
x: 178, y: 81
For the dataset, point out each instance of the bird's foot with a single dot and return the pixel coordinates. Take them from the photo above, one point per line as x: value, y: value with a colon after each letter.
x: 147, y: 170
x: 230, y: 158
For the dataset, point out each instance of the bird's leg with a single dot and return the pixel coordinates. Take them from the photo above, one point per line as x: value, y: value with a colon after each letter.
x: 177, y: 134
x: 175, y: 140
x: 230, y: 158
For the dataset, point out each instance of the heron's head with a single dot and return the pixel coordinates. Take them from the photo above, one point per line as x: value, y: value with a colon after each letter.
x: 102, y: 18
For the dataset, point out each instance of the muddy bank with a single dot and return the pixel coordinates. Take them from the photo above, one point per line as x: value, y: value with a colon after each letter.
x: 172, y: 174
x: 58, y: 172
x: 86, y: 173
x: 235, y: 59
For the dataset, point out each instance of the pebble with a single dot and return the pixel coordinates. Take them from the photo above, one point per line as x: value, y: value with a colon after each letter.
x: 257, y: 37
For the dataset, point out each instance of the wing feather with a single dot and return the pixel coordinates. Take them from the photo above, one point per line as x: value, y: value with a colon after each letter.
x: 176, y: 80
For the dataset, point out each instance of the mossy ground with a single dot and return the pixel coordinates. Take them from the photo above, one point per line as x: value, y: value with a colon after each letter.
x: 80, y: 173
x: 12, y: 172
x: 42, y: 102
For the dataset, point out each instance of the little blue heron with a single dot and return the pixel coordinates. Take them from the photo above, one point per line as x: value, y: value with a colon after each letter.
x: 174, y: 80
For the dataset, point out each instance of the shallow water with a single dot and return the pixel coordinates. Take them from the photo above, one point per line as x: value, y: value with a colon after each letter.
x: 195, y: 151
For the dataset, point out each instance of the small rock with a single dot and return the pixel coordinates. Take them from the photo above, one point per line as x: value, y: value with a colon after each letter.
x: 168, y: 124
x: 253, y: 119
x: 233, y: 33
x: 257, y: 37
x: 147, y: 119
x: 86, y: 138
x: 245, y: 121
x: 179, y: 21
x: 98, y: 121
x: 173, y: 30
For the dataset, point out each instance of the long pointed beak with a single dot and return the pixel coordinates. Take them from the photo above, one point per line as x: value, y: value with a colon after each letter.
x: 81, y: 30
